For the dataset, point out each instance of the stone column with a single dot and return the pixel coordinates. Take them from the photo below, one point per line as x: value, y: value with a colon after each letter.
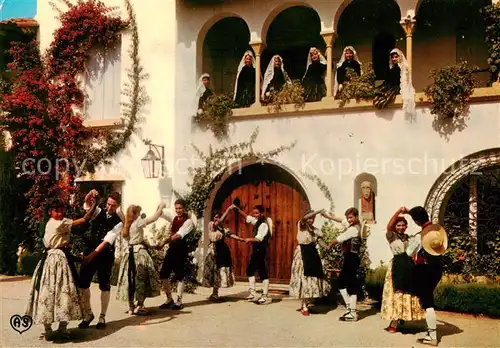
x: 473, y: 211
x: 258, y: 47
x: 329, y: 38
x: 408, y: 25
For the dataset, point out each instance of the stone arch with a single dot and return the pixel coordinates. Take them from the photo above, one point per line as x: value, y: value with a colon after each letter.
x: 357, y: 191
x: 443, y: 186
x: 202, y: 34
x: 274, y: 186
x: 342, y: 6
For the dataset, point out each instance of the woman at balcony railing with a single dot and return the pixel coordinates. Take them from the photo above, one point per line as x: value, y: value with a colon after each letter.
x: 398, y: 81
x: 244, y: 88
x: 349, y: 60
x: 274, y: 78
x: 203, y: 92
x: 314, y: 78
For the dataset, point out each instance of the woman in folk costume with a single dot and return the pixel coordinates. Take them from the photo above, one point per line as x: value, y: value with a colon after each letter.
x: 398, y: 81
x: 203, y: 92
x: 308, y: 279
x: 349, y: 60
x: 244, y: 88
x: 218, y: 268
x: 398, y: 305
x: 314, y: 78
x: 54, y: 293
x: 138, y: 278
x: 274, y: 78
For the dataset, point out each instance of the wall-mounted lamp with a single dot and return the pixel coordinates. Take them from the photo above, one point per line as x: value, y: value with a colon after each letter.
x: 153, y: 163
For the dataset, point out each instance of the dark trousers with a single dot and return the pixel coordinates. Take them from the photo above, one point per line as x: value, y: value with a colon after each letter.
x: 426, y: 277
x: 258, y: 263
x: 103, y: 265
x: 175, y: 261
x: 348, y: 278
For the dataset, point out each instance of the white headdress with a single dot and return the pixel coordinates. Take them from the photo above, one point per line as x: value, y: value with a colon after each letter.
x: 242, y: 64
x: 339, y: 64
x: 407, y: 90
x: 322, y: 59
x: 269, y: 74
x: 201, y: 87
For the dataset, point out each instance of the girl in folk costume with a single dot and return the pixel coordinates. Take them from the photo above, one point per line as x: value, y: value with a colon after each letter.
x: 274, y: 78
x: 349, y: 60
x: 398, y: 81
x: 138, y: 278
x: 314, y: 78
x: 203, y: 92
x: 218, y: 268
x: 308, y: 280
x: 398, y: 304
x: 244, y: 88
x: 54, y: 293
x: 351, y: 240
x: 177, y: 253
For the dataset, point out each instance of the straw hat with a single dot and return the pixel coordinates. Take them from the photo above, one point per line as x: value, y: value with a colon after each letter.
x: 434, y: 239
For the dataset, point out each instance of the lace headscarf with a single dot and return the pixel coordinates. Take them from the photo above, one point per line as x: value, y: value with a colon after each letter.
x: 201, y: 87
x: 407, y: 90
x: 269, y: 74
x: 322, y: 59
x: 339, y: 64
x: 240, y: 67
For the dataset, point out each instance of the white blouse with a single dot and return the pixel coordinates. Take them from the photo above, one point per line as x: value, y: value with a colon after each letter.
x: 306, y: 237
x: 57, y: 233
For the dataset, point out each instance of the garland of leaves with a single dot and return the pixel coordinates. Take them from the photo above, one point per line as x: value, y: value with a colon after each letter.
x: 322, y: 186
x: 491, y: 14
x: 40, y: 105
x: 205, y: 177
x: 449, y: 94
x: 358, y: 87
x: 216, y: 115
x: 290, y: 94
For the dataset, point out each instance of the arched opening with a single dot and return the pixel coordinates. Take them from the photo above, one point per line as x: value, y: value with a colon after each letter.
x: 224, y: 45
x: 373, y: 28
x: 284, y: 200
x: 365, y: 196
x: 291, y: 34
x: 441, y: 40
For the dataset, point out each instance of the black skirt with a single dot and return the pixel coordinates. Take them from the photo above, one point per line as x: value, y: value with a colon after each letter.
x: 311, y: 261
x: 222, y: 254
x: 402, y: 268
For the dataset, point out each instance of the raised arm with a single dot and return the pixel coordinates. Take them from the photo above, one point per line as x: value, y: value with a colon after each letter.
x: 86, y: 217
x: 241, y: 212
x: 391, y: 225
x: 231, y: 207
x: 156, y: 215
x: 329, y: 216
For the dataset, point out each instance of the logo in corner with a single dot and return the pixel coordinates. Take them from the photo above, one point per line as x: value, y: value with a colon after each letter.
x: 21, y: 324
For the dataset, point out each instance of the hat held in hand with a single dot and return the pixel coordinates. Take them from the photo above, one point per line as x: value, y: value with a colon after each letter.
x: 434, y: 239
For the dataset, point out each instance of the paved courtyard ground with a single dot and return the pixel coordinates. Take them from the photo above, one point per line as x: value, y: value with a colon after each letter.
x: 237, y: 323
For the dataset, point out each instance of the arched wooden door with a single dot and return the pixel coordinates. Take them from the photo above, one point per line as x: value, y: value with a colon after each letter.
x: 284, y: 203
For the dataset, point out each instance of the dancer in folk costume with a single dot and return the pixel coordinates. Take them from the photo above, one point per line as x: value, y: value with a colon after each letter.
x: 105, y: 226
x: 262, y: 229
x: 427, y: 248
x: 308, y: 280
x: 351, y: 240
x: 138, y: 278
x: 177, y: 254
x: 275, y: 78
x: 218, y: 267
x: 349, y: 60
x: 398, y: 82
x: 54, y: 293
x: 314, y: 78
x: 244, y: 88
x: 203, y: 91
x: 398, y: 304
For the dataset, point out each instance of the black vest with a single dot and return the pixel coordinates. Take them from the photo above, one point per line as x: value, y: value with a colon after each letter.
x: 99, y: 227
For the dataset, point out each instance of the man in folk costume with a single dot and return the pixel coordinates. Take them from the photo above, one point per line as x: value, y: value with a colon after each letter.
x: 427, y: 248
x: 99, y: 255
x: 351, y: 240
x: 177, y: 254
x: 262, y: 229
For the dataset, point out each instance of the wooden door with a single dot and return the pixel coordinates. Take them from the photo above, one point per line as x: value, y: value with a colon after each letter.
x: 285, y: 205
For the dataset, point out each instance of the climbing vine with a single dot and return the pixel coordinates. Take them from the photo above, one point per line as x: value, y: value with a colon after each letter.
x: 216, y: 114
x: 205, y: 177
x: 491, y: 15
x: 290, y: 94
x: 449, y: 93
x: 358, y: 87
x: 43, y: 107
x: 323, y: 187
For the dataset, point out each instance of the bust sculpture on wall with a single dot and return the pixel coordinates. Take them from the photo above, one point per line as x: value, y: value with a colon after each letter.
x: 367, y: 202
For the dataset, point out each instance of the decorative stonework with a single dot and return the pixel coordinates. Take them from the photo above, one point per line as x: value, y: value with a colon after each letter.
x: 453, y: 174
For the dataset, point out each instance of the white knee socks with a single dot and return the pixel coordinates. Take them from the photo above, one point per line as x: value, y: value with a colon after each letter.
x: 167, y: 289
x: 430, y: 318
x: 265, y: 282
x: 345, y: 297
x: 251, y: 285
x: 180, y: 290
x: 353, y: 299
x: 105, y: 296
